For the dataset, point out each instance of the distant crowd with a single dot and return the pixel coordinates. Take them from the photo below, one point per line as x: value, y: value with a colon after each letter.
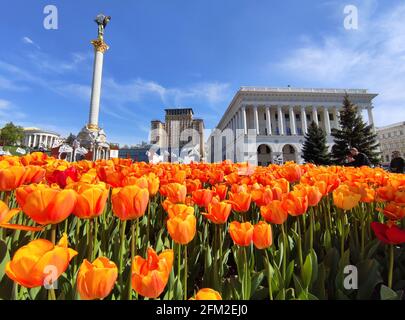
x: 359, y: 159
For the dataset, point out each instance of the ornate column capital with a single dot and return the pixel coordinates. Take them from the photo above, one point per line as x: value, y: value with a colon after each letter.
x: 100, y: 45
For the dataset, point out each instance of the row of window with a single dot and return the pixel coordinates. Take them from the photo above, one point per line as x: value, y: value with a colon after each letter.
x: 392, y: 134
x: 298, y: 117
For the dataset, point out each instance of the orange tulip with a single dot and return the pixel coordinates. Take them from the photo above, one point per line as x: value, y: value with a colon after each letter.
x: 179, y: 209
x: 241, y: 233
x: 150, y: 275
x: 46, y: 205
x: 11, y: 177
x: 400, y: 197
x: 387, y: 193
x: 262, y: 196
x: 312, y: 192
x: 182, y: 226
x: 240, y: 202
x: 393, y: 211
x: 5, y: 216
x: 96, y: 280
x: 32, y: 263
x: 34, y: 174
x: 218, y: 211
x: 344, y: 198
x: 262, y: 235
x: 202, y: 197
x: 153, y: 184
x: 176, y: 192
x: 91, y: 200
x: 129, y: 202
x: 207, y: 294
x: 274, y: 212
x: 220, y: 190
x: 295, y: 203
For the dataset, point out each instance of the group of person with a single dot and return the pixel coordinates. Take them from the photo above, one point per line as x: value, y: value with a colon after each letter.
x: 359, y: 159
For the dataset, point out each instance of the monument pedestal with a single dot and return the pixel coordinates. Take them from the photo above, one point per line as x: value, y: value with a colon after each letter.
x: 94, y: 140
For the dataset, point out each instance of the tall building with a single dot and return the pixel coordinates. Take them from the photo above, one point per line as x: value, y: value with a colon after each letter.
x: 392, y: 138
x: 267, y: 125
x: 180, y: 137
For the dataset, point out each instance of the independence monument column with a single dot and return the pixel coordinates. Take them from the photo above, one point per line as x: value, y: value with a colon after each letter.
x: 92, y: 141
x: 99, y: 48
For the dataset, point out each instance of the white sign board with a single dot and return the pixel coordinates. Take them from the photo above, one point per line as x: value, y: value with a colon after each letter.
x: 113, y: 153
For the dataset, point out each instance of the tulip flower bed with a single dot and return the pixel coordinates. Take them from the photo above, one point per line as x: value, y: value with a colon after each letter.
x: 121, y: 230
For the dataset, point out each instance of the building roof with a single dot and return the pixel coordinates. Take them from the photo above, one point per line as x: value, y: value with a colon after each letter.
x: 38, y: 130
x: 185, y: 110
x: 390, y: 126
x: 245, y: 91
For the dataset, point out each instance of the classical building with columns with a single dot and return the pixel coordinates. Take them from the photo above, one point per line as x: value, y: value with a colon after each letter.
x: 392, y: 138
x: 267, y: 125
x: 35, y: 137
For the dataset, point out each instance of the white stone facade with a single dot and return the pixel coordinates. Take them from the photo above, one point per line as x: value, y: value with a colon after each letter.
x: 392, y: 138
x: 267, y: 125
x: 34, y: 138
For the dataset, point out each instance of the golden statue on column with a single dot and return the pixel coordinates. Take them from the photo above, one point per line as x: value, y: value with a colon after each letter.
x: 92, y: 137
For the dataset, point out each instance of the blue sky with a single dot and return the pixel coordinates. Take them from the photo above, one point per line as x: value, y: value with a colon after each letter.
x: 191, y: 53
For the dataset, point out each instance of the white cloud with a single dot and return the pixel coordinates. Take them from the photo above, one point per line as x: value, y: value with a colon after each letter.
x: 9, y: 112
x: 28, y: 40
x: 372, y: 58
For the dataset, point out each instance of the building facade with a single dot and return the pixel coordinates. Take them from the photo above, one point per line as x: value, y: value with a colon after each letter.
x: 267, y: 125
x: 138, y: 153
x: 180, y: 138
x: 392, y: 138
x: 35, y: 138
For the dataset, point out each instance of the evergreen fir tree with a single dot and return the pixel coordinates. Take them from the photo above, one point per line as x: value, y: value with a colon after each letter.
x: 315, y: 149
x: 353, y: 133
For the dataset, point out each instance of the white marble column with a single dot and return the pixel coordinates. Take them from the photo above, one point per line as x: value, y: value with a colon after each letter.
x: 256, y: 119
x: 315, y: 115
x: 370, y: 116
x: 280, y: 120
x: 244, y: 122
x: 336, y: 117
x: 360, y: 111
x: 99, y: 48
x: 268, y: 120
x: 240, y: 119
x: 304, y: 121
x: 326, y: 120
x: 29, y: 140
x: 292, y: 121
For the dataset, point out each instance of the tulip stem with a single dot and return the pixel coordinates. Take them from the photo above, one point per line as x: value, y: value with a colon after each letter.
x: 53, y: 234
x: 122, y: 249
x: 362, y: 239
x: 90, y: 240
x: 342, y: 236
x: 147, y: 226
x: 185, y: 272
x: 269, y: 275
x: 220, y: 255
x: 179, y: 265
x: 95, y: 228
x: 391, y: 265
x: 134, y: 238
x: 311, y: 228
x: 299, y: 244
x: 284, y: 265
x: 14, y: 291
